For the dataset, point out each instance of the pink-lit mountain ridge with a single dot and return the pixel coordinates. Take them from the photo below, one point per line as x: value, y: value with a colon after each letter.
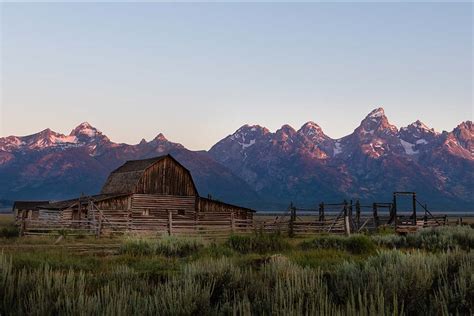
x: 259, y: 168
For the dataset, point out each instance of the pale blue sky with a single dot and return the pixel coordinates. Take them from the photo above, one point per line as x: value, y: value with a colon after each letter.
x: 197, y: 72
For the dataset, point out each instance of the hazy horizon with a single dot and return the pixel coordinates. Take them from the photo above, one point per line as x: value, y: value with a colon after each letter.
x: 197, y: 72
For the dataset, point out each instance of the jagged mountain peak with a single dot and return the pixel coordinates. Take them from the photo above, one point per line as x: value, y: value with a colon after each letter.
x: 376, y: 113
x: 376, y: 123
x: 252, y: 128
x: 248, y: 134
x: 85, y: 129
x: 464, y: 135
x: 310, y: 125
x: 160, y: 137
x: 420, y: 127
x: 312, y: 133
x: 466, y: 125
x: 286, y: 129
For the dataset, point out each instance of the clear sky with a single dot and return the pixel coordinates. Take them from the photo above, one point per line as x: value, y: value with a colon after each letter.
x: 197, y: 72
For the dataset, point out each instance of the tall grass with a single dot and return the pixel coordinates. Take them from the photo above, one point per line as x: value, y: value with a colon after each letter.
x: 220, y: 279
x: 257, y: 242
x: 166, y: 246
x: 357, y: 244
x: 433, y: 239
x: 388, y: 283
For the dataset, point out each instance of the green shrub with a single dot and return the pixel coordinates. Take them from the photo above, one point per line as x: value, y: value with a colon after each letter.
x: 258, y: 242
x: 137, y: 247
x: 166, y: 246
x: 9, y: 232
x: 389, y: 283
x: 178, y: 247
x: 358, y: 244
x: 433, y: 239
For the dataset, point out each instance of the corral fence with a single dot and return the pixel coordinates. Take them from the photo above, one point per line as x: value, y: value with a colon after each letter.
x: 344, y: 217
x: 115, y: 222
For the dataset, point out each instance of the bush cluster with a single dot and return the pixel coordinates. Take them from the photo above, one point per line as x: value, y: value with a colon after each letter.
x: 9, y: 232
x: 357, y: 244
x: 390, y: 282
x: 258, y: 242
x: 433, y: 239
x: 166, y: 246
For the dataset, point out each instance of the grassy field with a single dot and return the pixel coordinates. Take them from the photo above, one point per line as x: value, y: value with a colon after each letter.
x: 430, y: 272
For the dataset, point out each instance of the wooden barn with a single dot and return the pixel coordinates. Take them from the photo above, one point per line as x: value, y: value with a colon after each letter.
x: 151, y: 196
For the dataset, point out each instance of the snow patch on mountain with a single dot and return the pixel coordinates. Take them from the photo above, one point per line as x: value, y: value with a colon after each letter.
x: 409, y: 147
x: 244, y: 145
x: 337, y: 148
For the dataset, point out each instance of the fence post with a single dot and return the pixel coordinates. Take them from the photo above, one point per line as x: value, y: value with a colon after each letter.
x: 232, y: 222
x: 321, y: 212
x: 358, y: 214
x: 99, y: 228
x: 22, y: 226
x: 347, y: 224
x: 291, y: 232
x: 376, y: 215
x: 170, y: 223
x: 129, y: 213
x: 414, y: 208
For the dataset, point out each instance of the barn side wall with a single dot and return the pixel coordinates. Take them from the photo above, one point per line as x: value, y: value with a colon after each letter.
x: 167, y: 178
x: 211, y: 208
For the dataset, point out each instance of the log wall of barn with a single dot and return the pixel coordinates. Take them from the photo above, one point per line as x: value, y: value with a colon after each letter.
x: 168, y: 178
x: 211, y: 208
x: 116, y: 203
x: 152, y: 212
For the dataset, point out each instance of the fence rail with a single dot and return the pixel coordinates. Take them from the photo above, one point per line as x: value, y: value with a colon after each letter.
x: 338, y: 219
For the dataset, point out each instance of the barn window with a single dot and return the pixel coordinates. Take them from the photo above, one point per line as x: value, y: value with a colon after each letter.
x: 146, y: 212
x: 181, y: 212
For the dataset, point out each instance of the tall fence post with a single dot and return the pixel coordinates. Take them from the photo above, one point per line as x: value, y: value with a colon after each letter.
x: 291, y: 231
x: 347, y: 224
x: 394, y: 210
x: 129, y: 213
x: 414, y: 208
x: 232, y: 222
x: 376, y: 215
x: 425, y: 217
x: 170, y: 223
x: 99, y: 227
x: 22, y: 225
x: 357, y: 206
x: 321, y: 212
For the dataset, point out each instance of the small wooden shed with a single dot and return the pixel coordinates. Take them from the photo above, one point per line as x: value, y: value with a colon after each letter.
x: 27, y: 209
x: 152, y: 196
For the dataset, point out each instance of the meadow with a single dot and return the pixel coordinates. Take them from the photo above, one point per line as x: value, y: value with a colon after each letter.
x: 430, y: 272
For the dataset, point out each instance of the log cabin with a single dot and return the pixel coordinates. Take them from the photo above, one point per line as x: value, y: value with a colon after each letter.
x: 150, y: 196
x: 26, y: 209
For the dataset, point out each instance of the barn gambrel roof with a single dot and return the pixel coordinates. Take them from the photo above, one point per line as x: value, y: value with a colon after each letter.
x: 125, y: 178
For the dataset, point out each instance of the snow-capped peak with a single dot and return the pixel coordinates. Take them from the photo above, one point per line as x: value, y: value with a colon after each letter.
x: 161, y: 137
x: 310, y: 126
x: 376, y: 124
x: 420, y: 126
x: 312, y: 132
x: 84, y: 129
x: 379, y: 112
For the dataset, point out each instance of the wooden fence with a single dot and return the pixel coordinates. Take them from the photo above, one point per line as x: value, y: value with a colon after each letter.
x: 207, y: 225
x: 337, y: 218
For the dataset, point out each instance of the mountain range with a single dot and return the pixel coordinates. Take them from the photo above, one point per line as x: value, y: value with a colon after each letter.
x: 259, y: 168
